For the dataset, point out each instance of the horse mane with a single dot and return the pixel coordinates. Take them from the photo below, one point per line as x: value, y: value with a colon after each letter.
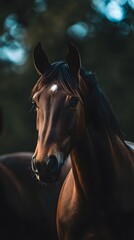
x: 98, y: 109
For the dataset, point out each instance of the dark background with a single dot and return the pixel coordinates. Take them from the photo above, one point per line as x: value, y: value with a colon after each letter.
x: 104, y: 33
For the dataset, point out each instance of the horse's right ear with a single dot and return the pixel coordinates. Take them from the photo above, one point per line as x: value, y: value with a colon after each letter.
x: 40, y: 59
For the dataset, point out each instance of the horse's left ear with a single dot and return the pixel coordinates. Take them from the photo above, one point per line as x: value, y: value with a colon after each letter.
x: 40, y: 59
x: 73, y: 59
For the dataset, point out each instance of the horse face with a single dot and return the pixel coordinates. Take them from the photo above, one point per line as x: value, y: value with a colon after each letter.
x: 60, y: 114
x: 59, y: 125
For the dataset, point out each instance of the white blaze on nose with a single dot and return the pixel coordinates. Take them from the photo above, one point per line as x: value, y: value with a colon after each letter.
x: 54, y: 87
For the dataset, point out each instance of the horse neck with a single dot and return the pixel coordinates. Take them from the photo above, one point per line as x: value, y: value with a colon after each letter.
x: 101, y: 164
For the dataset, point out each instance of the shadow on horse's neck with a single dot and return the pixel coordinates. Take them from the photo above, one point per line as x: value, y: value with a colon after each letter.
x: 101, y: 164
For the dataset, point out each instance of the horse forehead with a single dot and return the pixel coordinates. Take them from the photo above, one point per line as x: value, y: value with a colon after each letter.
x: 53, y: 89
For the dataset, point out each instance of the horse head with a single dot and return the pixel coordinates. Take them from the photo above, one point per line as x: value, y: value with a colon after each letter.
x: 58, y: 99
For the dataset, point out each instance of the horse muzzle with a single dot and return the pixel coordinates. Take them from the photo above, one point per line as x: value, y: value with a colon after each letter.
x: 47, y: 170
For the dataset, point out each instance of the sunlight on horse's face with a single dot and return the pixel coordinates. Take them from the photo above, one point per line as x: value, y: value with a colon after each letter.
x: 59, y: 124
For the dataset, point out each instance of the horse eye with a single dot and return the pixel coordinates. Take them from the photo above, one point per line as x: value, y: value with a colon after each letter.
x: 73, y: 103
x: 34, y: 105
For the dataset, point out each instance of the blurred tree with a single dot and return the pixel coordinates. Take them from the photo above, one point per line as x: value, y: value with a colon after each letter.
x: 103, y: 30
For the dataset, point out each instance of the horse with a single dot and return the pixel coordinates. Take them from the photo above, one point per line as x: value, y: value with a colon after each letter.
x: 75, y: 118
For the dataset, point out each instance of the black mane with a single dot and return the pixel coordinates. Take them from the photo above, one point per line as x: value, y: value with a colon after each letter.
x: 99, y: 110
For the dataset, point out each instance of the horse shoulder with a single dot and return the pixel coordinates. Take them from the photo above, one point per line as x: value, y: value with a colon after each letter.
x: 65, y: 195
x: 69, y: 209
x: 65, y: 198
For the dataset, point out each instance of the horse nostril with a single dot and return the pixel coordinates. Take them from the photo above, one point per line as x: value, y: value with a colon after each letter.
x: 52, y: 163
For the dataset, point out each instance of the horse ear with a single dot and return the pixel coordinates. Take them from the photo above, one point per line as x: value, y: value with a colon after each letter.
x: 40, y: 59
x: 73, y: 59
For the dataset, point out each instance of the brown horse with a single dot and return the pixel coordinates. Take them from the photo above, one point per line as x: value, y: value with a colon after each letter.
x: 74, y: 117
